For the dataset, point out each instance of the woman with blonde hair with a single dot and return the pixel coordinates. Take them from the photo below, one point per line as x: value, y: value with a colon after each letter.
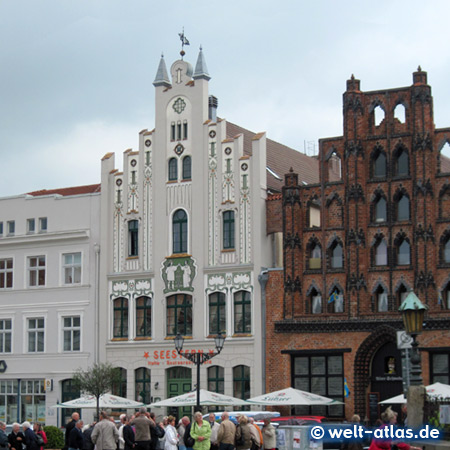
x: 201, y: 432
x: 243, y: 434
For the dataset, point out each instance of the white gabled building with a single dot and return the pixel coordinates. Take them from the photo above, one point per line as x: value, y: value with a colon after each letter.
x: 184, y: 242
x: 49, y: 264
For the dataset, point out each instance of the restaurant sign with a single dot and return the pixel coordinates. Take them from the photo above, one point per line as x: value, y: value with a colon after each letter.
x: 171, y: 357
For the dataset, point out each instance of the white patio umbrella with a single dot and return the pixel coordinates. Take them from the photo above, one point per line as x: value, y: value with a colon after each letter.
x: 106, y: 401
x: 435, y: 390
x: 291, y: 396
x: 207, y: 398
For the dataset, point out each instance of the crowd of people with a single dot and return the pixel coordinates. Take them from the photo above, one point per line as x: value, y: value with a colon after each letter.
x: 32, y: 437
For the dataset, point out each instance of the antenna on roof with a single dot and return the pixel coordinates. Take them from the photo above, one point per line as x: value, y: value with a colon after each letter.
x: 184, y: 42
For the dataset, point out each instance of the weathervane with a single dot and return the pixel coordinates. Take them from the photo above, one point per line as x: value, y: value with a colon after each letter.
x: 184, y: 42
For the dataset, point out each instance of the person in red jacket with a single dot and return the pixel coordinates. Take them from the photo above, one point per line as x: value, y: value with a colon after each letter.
x: 389, y: 417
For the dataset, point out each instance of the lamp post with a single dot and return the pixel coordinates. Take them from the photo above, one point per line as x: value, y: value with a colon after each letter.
x: 198, y: 358
x: 413, y: 312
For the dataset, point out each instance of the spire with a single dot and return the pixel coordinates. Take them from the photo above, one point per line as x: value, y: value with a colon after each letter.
x: 162, y: 77
x: 201, y: 71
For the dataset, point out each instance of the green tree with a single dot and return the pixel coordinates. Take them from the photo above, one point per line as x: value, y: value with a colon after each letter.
x: 97, y: 380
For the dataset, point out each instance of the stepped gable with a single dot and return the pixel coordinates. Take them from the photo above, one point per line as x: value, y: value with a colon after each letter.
x: 280, y: 159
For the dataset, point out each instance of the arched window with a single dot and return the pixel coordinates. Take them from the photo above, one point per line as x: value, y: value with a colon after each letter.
x: 217, y: 313
x: 241, y: 382
x: 381, y: 258
x: 403, y: 253
x: 378, y: 115
x: 336, y: 301
x: 179, y: 231
x: 444, y: 158
x: 187, y: 168
x: 120, y: 389
x: 334, y: 168
x: 69, y: 391
x: 445, y: 296
x: 242, y: 312
x: 142, y: 383
x: 228, y: 230
x: 403, y: 212
x: 402, y: 163
x: 379, y: 165
x: 315, y: 259
x: 402, y: 292
x: 400, y: 113
x: 337, y: 256
x: 144, y: 317
x: 179, y: 315
x: 120, y: 325
x: 216, y: 379
x: 381, y: 299
x: 314, y: 215
x: 316, y: 302
x: 379, y: 210
x: 446, y: 250
x: 173, y: 169
x: 133, y: 238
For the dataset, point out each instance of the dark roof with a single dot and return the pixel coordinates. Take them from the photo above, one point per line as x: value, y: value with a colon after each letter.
x: 280, y: 159
x: 445, y: 164
x: 65, y: 192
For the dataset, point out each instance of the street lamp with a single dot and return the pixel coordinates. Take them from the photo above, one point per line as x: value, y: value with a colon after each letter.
x: 413, y: 311
x: 198, y: 358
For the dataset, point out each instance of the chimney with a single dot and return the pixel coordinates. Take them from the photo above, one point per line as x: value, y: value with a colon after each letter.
x: 212, y: 108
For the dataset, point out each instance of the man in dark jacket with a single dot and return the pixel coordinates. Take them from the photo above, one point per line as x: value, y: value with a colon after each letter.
x: 3, y: 438
x: 88, y: 444
x: 30, y: 437
x: 76, y: 440
x: 128, y: 434
x: 157, y: 432
x: 69, y: 427
x: 16, y: 437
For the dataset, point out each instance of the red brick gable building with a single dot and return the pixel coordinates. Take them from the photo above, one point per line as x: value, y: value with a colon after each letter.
x: 355, y: 246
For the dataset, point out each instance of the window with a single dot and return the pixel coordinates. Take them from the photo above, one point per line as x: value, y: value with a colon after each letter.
x: 173, y: 169
x: 446, y: 253
x: 402, y: 292
x: 402, y: 163
x: 322, y: 375
x: 187, y: 172
x: 133, y: 238
x: 120, y: 388
x: 144, y: 317
x: 5, y: 335
x: 334, y: 168
x: 337, y: 256
x: 172, y: 131
x: 381, y: 253
x: 11, y: 227
x: 179, y: 315
x: 315, y: 260
x: 314, y: 216
x: 31, y: 225
x: 382, y: 299
x: 228, y: 230
x: 142, y: 383
x: 36, y: 335
x: 403, y: 253
x: 185, y: 130
x: 42, y: 224
x: 403, y: 208
x: 120, y: 324
x: 6, y: 273
x: 400, y: 113
x: 380, y: 210
x: 71, y: 334
x: 72, y: 268
x: 36, y: 271
x: 336, y: 301
x: 316, y: 302
x: 32, y: 399
x: 379, y: 166
x: 378, y: 115
x: 440, y: 372
x: 242, y: 312
x: 178, y: 130
x: 217, y: 313
x: 241, y: 382
x: 1, y: 228
x: 216, y: 379
x: 179, y: 231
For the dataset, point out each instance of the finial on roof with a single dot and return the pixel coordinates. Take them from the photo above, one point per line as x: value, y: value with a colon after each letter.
x: 419, y: 69
x: 184, y: 42
x: 201, y: 71
x: 162, y: 77
x: 352, y: 77
x: 291, y: 169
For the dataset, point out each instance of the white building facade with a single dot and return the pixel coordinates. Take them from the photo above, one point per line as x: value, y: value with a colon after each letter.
x: 183, y: 243
x: 49, y: 264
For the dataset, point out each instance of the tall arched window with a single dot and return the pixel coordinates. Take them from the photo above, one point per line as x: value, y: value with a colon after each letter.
x: 242, y: 312
x: 144, y: 317
x: 241, y: 382
x: 179, y: 231
x: 402, y: 163
x: 381, y: 299
x: 447, y: 251
x: 216, y: 379
x: 380, y: 210
x: 402, y: 292
x: 133, y: 238
x: 120, y: 325
x: 142, y: 383
x: 315, y: 260
x: 120, y: 388
x: 228, y: 230
x: 316, y: 302
x: 179, y: 315
x: 173, y: 169
x: 381, y: 258
x: 403, y: 212
x: 187, y: 168
x: 336, y: 301
x: 403, y: 253
x: 337, y: 256
x: 379, y: 166
x: 217, y: 313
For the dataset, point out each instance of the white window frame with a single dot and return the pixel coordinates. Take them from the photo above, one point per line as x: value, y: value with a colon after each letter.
x: 9, y: 224
x: 1, y: 228
x: 3, y: 332
x: 64, y: 266
x: 41, y: 221
x: 27, y: 279
x: 27, y: 331
x: 61, y: 317
x: 187, y: 233
x: 30, y: 221
x: 5, y: 271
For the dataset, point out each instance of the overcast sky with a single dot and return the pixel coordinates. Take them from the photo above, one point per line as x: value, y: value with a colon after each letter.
x: 76, y: 75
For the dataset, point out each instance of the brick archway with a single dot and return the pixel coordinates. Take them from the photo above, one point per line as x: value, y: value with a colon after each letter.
x: 382, y: 335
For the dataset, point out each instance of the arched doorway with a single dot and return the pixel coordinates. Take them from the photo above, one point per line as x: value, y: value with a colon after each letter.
x: 179, y: 381
x: 68, y: 392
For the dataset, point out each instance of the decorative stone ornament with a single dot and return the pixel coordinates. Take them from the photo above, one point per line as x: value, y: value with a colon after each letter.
x: 179, y: 105
x: 148, y: 143
x: 178, y: 274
